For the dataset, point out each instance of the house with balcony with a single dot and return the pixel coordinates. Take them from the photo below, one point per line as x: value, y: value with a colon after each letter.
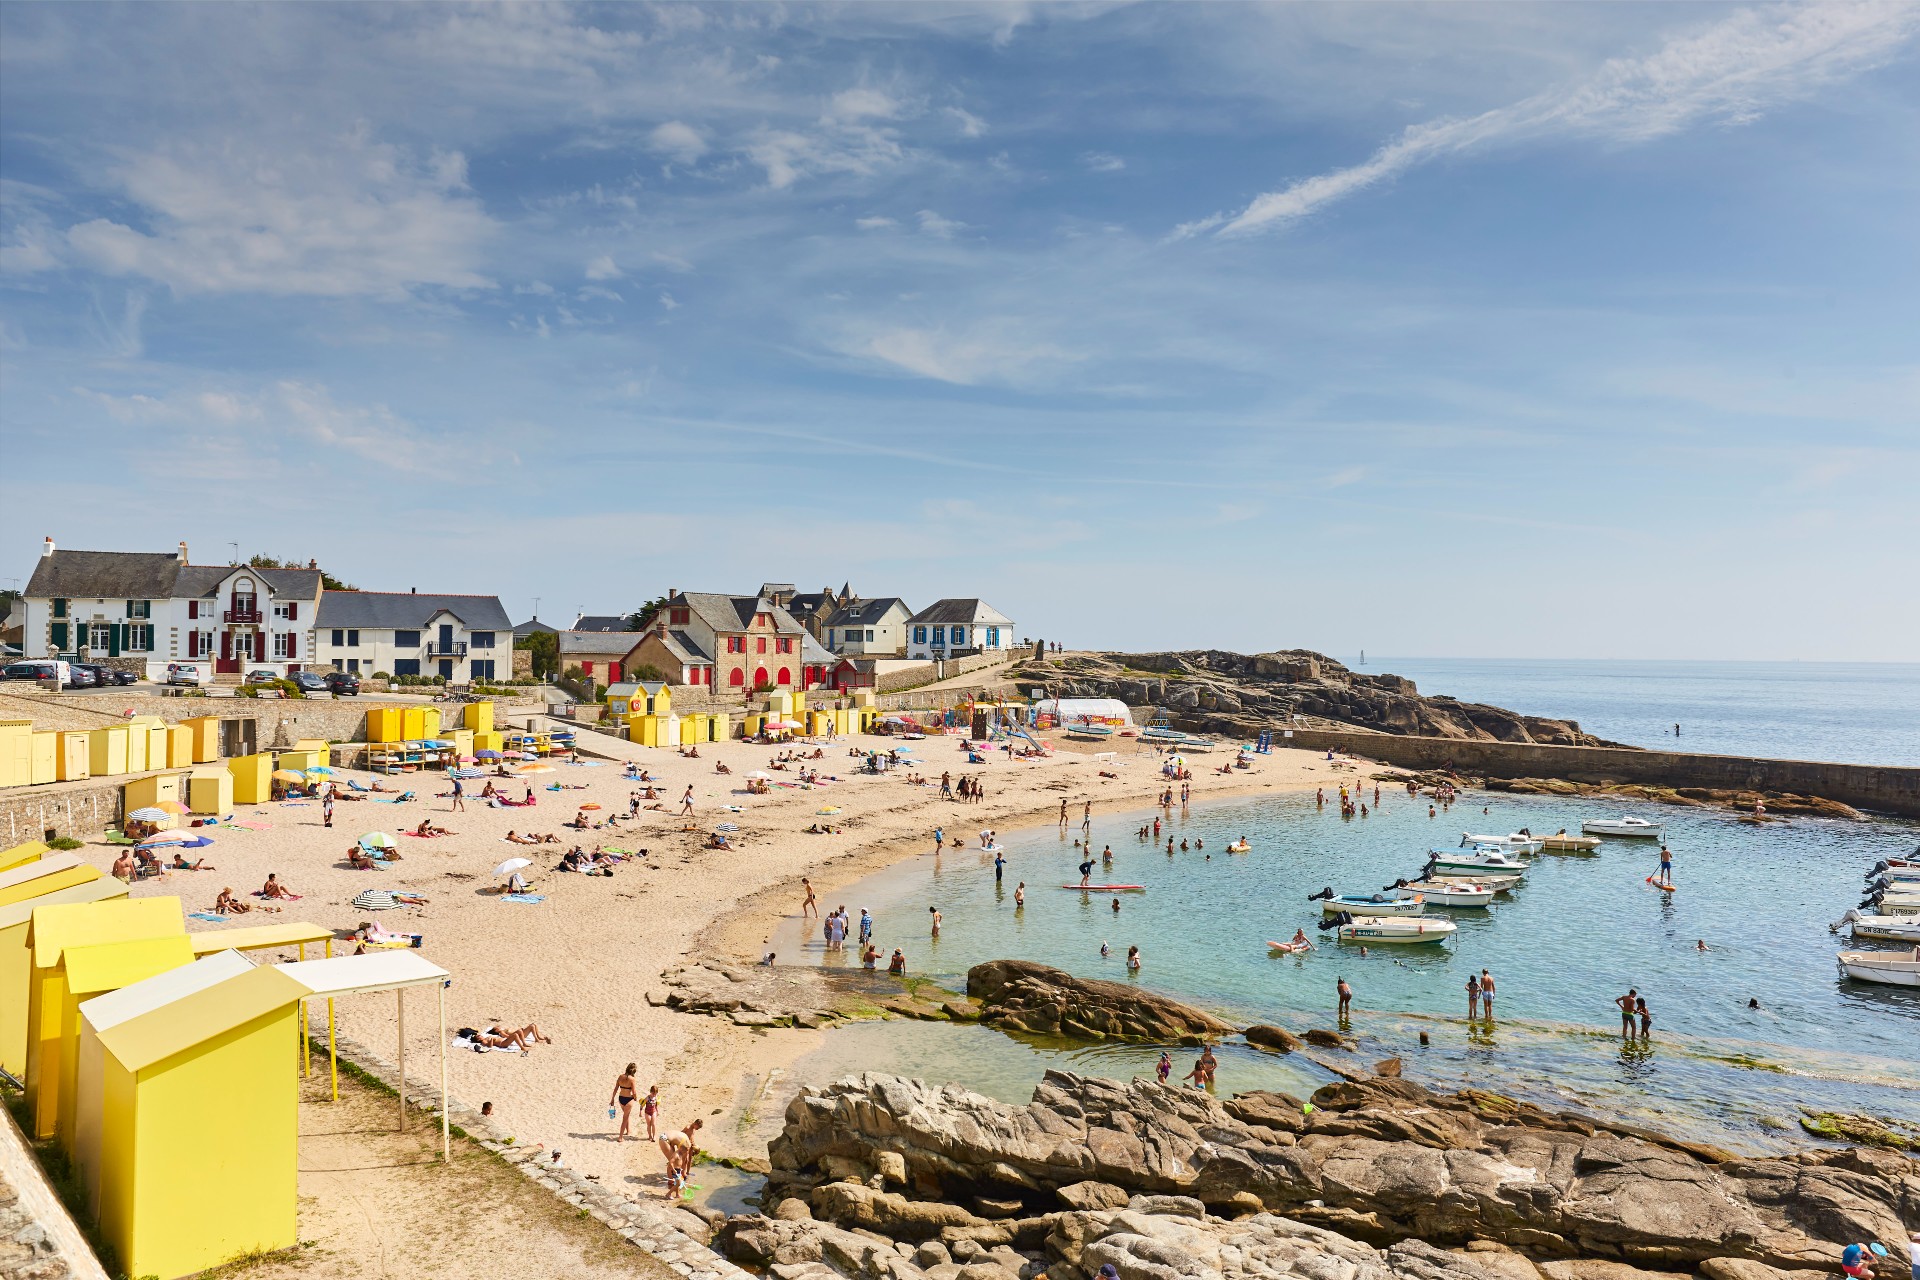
x: 730, y: 642
x: 460, y: 638
x: 142, y: 610
x: 958, y: 628
x: 869, y: 628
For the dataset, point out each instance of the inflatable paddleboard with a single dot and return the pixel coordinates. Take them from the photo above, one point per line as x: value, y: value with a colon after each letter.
x: 1107, y: 888
x: 1663, y: 886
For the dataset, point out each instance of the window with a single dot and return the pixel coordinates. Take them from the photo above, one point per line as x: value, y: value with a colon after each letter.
x: 736, y: 677
x: 139, y: 608
x: 939, y: 635
x: 482, y: 668
x: 140, y: 637
x: 100, y: 636
x: 993, y: 637
x: 339, y: 638
x: 784, y: 645
x: 760, y: 619
x: 406, y: 639
x: 59, y: 607
x: 353, y: 639
x: 481, y: 639
x: 406, y: 666
x: 869, y: 635
x: 830, y: 636
x: 736, y: 644
x: 958, y: 635
x: 919, y: 635
x: 282, y: 649
x: 283, y: 611
x: 353, y: 665
x: 679, y: 617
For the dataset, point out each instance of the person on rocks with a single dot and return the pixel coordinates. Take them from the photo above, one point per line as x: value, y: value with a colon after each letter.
x: 680, y: 1151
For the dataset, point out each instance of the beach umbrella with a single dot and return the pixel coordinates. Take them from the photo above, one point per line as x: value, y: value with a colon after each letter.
x: 172, y: 806
x: 467, y: 759
x: 535, y: 768
x: 589, y: 805
x: 163, y: 839
x: 760, y: 775
x: 488, y: 754
x: 376, y: 840
x: 516, y: 755
x: 374, y: 900
x: 510, y: 866
x: 197, y: 842
x: 445, y: 742
x: 149, y: 814
x: 828, y: 811
x: 288, y: 775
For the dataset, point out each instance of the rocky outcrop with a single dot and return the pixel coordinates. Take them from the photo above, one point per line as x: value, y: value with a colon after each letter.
x: 1214, y: 691
x: 1019, y: 995
x: 1383, y: 1161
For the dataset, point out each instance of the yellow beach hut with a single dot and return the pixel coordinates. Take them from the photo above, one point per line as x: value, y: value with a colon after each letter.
x: 199, y: 1122
x: 94, y: 971
x: 205, y: 731
x: 73, y: 759
x: 52, y: 931
x: 52, y: 871
x: 477, y: 716
x: 107, y: 750
x: 21, y: 854
x: 252, y: 778
x: 16, y: 962
x: 16, y: 753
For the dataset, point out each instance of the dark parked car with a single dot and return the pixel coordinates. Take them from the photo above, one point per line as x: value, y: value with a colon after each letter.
x: 309, y: 682
x: 107, y: 675
x: 261, y: 676
x: 343, y: 683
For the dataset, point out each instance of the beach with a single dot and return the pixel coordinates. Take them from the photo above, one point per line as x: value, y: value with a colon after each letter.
x: 581, y: 963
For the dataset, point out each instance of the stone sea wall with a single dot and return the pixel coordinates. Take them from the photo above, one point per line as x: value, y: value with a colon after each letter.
x: 1884, y: 788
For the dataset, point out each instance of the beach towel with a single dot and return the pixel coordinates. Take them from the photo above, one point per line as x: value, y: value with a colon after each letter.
x: 206, y: 915
x: 354, y: 785
x: 528, y: 898
x: 467, y: 1043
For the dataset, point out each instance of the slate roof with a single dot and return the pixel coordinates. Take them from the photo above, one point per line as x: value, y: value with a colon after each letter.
x: 861, y: 613
x: 733, y: 613
x: 407, y: 610
x: 683, y: 646
x: 598, y: 644
x: 968, y: 609
x: 599, y: 622
x: 531, y: 625
x: 151, y: 575
x: 813, y: 653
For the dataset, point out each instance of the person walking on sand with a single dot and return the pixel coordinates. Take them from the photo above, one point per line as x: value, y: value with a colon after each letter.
x: 459, y: 796
x: 1345, y: 993
x: 686, y: 801
x: 1626, y: 1004
x: 939, y: 839
x: 810, y: 905
x: 326, y: 809
x: 624, y: 1089
x: 1473, y: 997
x: 1486, y: 994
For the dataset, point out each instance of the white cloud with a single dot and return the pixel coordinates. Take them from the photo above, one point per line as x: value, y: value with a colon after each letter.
x: 990, y: 353
x: 935, y: 225
x: 860, y: 104
x: 1101, y: 162
x: 303, y: 410
x: 971, y: 125
x: 875, y: 223
x: 355, y: 217
x: 788, y: 155
x: 1345, y: 476
x: 1731, y: 71
x: 603, y: 268
x: 677, y: 140
x: 668, y: 301
x: 597, y: 291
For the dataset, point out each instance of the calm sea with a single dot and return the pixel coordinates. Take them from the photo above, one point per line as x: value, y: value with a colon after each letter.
x: 1580, y: 932
x: 1853, y: 712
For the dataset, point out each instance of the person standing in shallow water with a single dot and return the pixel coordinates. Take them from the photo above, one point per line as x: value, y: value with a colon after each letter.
x: 1345, y: 993
x: 1626, y: 1003
x: 1486, y: 994
x: 1473, y: 997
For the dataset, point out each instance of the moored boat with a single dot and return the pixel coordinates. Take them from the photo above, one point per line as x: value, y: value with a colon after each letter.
x: 1451, y: 893
x: 1518, y: 842
x: 1888, y: 928
x: 1564, y: 843
x: 1379, y: 929
x: 1629, y: 825
x: 1475, y: 861
x: 1391, y: 902
x: 1888, y: 968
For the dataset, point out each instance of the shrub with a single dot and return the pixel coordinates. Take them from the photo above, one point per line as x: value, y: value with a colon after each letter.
x: 381, y: 675
x: 63, y: 843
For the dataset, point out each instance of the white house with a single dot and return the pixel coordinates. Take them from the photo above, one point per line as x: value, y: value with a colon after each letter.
x: 142, y: 610
x: 957, y: 628
x: 868, y: 628
x: 404, y: 633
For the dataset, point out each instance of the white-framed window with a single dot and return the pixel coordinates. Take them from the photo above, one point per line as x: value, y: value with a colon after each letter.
x: 282, y: 645
x: 140, y: 637
x: 100, y: 636
x: 283, y: 611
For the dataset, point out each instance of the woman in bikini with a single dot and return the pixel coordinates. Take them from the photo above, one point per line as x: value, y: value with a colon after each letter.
x: 624, y: 1089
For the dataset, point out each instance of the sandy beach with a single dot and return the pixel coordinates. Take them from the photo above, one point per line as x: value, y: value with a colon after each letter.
x: 581, y: 963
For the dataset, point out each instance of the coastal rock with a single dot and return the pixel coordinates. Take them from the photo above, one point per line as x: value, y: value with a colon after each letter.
x: 1020, y: 995
x: 1267, y: 1037
x: 1381, y: 1159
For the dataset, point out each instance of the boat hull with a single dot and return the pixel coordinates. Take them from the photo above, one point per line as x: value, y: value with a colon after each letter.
x: 1403, y: 932
x: 1866, y: 966
x: 1888, y: 928
x: 1507, y: 844
x: 1399, y: 907
x: 1469, y: 866
x: 1437, y: 895
x: 1631, y: 830
x: 1570, y: 844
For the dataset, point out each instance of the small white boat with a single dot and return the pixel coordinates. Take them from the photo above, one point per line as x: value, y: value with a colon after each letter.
x: 1627, y: 826
x: 1452, y: 893
x: 1392, y: 902
x: 1564, y: 843
x: 1887, y: 967
x: 1888, y: 928
x: 1518, y: 842
x: 1897, y: 904
x: 1377, y: 929
x: 1475, y: 861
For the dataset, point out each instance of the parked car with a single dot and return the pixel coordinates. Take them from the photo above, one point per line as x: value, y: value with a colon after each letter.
x: 30, y: 670
x: 80, y: 676
x: 186, y: 673
x: 108, y: 675
x: 309, y: 682
x: 262, y: 676
x: 343, y: 683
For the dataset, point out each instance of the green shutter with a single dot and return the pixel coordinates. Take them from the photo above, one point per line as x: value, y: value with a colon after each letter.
x: 59, y: 635
x: 115, y: 630
x: 59, y: 607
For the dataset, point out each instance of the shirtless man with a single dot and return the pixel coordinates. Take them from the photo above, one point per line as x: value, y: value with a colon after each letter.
x: 274, y: 889
x: 1626, y: 1004
x: 811, y: 905
x: 680, y: 1151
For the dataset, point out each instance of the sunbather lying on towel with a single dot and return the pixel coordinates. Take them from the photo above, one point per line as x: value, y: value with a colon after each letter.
x: 426, y: 829
x: 499, y: 1037
x: 371, y: 933
x: 180, y: 863
x: 720, y: 767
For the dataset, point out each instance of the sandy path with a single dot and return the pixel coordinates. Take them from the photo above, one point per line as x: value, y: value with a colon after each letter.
x: 580, y: 963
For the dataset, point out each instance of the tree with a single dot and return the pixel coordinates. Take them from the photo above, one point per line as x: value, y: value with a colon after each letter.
x: 643, y: 617
x: 327, y: 580
x: 646, y: 671
x: 545, y: 648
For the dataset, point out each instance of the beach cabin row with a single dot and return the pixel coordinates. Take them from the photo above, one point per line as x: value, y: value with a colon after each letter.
x: 29, y: 757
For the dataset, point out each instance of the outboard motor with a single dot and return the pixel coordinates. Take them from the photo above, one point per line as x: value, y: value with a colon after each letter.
x: 1401, y: 883
x: 1324, y: 893
x: 1335, y: 921
x: 1878, y: 867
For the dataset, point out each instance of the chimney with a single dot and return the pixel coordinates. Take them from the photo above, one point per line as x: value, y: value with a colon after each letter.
x: 413, y: 591
x: 183, y: 552
x: 47, y: 550
x: 311, y: 564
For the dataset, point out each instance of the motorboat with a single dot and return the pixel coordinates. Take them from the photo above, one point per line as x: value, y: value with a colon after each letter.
x: 1564, y: 843
x: 1887, y: 928
x: 1627, y: 826
x: 1379, y: 929
x: 1895, y: 904
x: 1390, y: 902
x: 1451, y: 893
x: 1892, y: 871
x: 1887, y: 967
x: 1518, y: 842
x: 1475, y: 861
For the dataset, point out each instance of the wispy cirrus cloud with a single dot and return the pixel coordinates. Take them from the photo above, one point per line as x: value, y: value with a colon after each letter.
x: 1731, y: 71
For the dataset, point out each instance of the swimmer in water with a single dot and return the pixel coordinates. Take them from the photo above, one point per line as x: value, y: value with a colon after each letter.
x: 1133, y: 959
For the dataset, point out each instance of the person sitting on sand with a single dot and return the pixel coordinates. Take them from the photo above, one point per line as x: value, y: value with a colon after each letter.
x: 180, y: 863
x: 426, y: 828
x: 357, y: 859
x: 719, y: 766
x: 717, y: 841
x: 274, y: 889
x: 228, y: 905
x: 487, y: 792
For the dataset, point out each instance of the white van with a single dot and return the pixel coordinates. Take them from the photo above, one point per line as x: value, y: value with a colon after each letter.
x: 186, y: 673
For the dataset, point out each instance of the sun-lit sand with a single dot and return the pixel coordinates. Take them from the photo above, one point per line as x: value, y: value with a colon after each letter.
x: 580, y: 964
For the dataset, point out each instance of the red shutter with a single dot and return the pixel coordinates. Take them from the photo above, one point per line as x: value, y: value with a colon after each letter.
x: 193, y: 611
x: 293, y: 644
x: 293, y: 610
x: 193, y: 640
x: 586, y: 668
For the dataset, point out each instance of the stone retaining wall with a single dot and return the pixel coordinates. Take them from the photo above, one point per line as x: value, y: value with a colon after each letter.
x: 1883, y: 788
x: 39, y: 1239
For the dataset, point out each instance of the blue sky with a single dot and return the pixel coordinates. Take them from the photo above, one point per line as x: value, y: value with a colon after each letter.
x: 1552, y: 330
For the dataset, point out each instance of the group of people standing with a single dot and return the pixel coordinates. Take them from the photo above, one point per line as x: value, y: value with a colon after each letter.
x: 679, y: 1148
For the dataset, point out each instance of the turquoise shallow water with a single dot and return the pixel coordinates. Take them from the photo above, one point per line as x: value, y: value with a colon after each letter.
x: 1579, y: 932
